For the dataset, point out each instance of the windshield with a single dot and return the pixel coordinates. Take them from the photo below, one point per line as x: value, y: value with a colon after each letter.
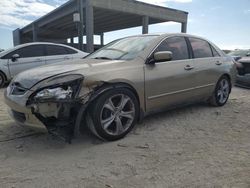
x: 241, y: 53
x: 123, y: 49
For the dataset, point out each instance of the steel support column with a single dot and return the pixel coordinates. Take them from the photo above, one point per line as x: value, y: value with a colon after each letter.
x: 16, y: 37
x: 102, y: 39
x: 34, y: 33
x: 184, y: 27
x: 80, y: 25
x: 145, y: 22
x: 89, y: 26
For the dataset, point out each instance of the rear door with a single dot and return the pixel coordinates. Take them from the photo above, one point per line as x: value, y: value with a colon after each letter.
x: 170, y: 82
x: 207, y: 63
x: 29, y: 57
x: 56, y: 54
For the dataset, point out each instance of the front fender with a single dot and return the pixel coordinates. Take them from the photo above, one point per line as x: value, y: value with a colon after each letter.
x: 93, y: 95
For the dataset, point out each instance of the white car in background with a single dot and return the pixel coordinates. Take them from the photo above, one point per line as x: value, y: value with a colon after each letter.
x: 31, y: 55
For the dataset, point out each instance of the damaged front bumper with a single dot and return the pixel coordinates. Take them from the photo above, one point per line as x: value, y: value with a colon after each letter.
x: 55, y: 117
x: 23, y: 115
x: 52, y: 111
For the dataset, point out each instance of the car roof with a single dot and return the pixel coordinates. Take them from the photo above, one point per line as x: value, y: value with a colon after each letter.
x: 36, y: 43
x: 163, y: 35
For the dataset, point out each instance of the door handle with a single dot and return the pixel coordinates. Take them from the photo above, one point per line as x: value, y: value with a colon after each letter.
x: 218, y: 63
x: 66, y: 57
x: 188, y: 67
x: 38, y: 59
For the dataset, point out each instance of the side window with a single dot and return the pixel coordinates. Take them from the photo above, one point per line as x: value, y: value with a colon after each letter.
x: 215, y: 53
x: 9, y: 55
x: 71, y: 51
x: 177, y: 45
x: 201, y: 48
x: 56, y: 50
x: 29, y: 51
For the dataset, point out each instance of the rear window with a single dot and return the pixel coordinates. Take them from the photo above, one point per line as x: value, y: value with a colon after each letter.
x: 201, y: 48
x: 215, y: 53
x: 71, y: 51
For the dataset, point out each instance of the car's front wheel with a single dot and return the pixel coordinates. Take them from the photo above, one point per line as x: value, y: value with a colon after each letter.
x: 113, y: 114
x: 222, y: 92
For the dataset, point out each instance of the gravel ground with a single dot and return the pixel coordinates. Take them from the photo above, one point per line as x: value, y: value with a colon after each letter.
x: 196, y: 146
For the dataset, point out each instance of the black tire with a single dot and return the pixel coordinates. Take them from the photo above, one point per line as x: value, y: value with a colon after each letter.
x: 2, y: 80
x: 98, y: 111
x: 220, y: 95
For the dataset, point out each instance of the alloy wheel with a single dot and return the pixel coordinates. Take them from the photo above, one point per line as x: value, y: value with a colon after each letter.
x: 117, y: 114
x: 223, y: 91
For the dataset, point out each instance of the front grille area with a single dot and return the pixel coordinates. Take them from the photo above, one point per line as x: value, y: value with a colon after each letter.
x: 19, y: 116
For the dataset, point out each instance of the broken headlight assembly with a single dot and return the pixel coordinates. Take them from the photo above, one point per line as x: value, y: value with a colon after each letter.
x: 56, y: 91
x: 59, y: 93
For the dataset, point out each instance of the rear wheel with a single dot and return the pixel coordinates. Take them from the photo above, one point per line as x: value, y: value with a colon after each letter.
x: 221, y: 93
x: 2, y: 79
x: 113, y: 114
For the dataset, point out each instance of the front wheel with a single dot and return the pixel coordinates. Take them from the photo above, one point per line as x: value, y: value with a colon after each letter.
x: 221, y: 93
x: 113, y: 114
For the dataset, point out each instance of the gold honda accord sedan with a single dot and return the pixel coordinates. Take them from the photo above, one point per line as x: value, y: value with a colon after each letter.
x: 113, y: 88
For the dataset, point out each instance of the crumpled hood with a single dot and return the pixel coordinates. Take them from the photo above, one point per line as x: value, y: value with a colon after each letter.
x: 29, y: 78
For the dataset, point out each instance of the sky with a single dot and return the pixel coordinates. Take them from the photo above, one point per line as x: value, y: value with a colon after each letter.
x: 224, y: 22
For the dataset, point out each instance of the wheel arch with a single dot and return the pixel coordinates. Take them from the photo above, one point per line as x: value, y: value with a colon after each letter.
x: 98, y: 91
x: 124, y: 85
x: 106, y: 86
x: 4, y: 75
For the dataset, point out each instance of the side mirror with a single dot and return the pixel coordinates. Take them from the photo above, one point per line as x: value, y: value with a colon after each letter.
x: 15, y: 57
x: 248, y: 54
x: 163, y: 56
x: 160, y: 57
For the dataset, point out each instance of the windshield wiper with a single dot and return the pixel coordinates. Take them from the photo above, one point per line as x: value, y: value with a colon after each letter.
x: 106, y: 58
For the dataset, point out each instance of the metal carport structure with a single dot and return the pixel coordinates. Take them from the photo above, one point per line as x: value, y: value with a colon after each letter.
x: 96, y: 18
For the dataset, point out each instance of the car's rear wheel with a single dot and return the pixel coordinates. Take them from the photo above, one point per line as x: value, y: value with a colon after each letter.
x: 2, y: 79
x: 222, y: 92
x: 113, y: 114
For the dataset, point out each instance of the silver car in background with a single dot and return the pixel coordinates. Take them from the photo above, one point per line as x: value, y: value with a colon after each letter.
x: 31, y: 55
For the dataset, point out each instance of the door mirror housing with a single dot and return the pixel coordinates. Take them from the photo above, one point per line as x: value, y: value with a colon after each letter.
x: 15, y: 57
x: 248, y: 54
x: 160, y: 57
x: 163, y: 56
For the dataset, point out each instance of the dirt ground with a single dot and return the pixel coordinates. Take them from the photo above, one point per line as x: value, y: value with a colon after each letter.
x: 196, y: 146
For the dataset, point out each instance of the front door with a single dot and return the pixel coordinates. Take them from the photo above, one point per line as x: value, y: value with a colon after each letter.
x: 171, y: 82
x: 29, y: 57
